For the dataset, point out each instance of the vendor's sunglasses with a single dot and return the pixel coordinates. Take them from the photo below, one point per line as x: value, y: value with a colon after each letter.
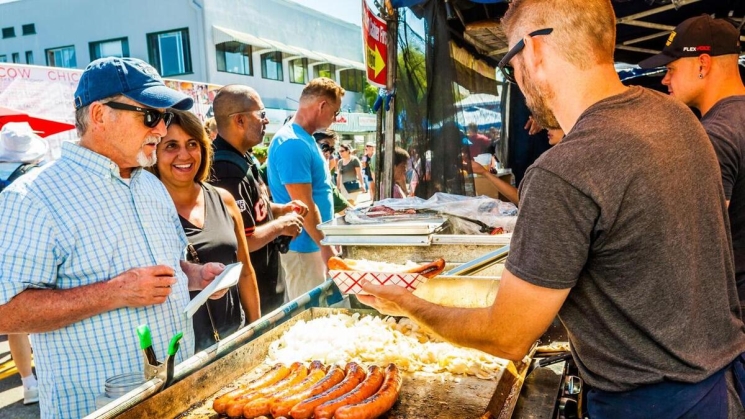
x: 504, y: 66
x: 152, y: 116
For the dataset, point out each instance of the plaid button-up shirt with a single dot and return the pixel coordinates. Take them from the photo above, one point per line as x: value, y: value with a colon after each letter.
x: 74, y: 223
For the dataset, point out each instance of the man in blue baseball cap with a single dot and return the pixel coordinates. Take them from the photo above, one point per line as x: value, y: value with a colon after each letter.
x: 91, y: 245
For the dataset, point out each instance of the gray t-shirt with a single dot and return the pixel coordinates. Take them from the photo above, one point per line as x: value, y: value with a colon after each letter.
x: 725, y: 124
x: 628, y: 211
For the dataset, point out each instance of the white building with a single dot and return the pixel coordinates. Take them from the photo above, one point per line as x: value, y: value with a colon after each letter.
x: 275, y: 46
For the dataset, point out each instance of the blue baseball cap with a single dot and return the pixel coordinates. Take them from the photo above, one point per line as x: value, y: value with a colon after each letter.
x: 130, y: 77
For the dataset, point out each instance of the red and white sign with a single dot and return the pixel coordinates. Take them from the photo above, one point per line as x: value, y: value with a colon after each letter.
x: 375, y: 36
x: 48, y: 92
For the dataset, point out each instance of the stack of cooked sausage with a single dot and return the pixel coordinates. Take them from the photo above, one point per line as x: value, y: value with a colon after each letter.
x: 303, y: 392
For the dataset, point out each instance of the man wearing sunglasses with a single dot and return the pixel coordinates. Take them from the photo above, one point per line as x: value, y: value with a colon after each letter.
x: 241, y: 123
x: 298, y: 171
x: 621, y: 233
x: 91, y: 246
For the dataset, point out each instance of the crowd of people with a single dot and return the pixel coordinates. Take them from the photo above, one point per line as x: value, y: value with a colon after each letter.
x: 647, y: 272
x: 630, y: 227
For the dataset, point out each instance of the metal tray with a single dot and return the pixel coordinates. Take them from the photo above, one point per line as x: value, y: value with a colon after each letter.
x: 422, y: 396
x: 339, y: 227
x: 424, y: 240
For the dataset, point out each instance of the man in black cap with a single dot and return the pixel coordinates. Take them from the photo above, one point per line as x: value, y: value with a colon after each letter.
x: 701, y: 57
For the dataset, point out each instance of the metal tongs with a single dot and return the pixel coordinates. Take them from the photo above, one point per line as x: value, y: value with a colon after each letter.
x: 154, y: 368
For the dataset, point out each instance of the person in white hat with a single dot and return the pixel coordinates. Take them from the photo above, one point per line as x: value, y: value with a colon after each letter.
x: 21, y: 151
x: 19, y: 147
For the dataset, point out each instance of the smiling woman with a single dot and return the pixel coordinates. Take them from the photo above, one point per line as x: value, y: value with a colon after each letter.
x: 212, y: 223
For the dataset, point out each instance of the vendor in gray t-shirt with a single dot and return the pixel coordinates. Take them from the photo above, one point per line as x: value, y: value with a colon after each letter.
x: 622, y: 232
x: 702, y: 72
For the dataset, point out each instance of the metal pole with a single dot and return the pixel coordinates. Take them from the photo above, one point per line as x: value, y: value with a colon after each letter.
x: 379, y: 141
x: 390, y: 114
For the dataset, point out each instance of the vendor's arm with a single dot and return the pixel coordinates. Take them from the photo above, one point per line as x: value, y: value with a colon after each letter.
x: 505, y: 329
x: 509, y: 191
x: 548, y: 251
x: 247, y: 286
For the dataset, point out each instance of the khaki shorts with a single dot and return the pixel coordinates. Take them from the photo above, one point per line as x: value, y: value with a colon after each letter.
x: 303, y: 272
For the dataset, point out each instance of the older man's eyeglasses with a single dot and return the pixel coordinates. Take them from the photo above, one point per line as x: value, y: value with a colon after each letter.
x: 504, y: 66
x: 152, y: 116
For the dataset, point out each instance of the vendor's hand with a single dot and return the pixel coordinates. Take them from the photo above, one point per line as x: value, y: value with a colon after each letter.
x: 208, y: 273
x: 292, y: 224
x: 532, y: 126
x: 296, y: 206
x: 383, y: 297
x: 140, y: 287
x: 477, y: 168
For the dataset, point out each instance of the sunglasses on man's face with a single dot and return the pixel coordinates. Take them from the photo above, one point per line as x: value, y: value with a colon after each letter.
x: 260, y: 112
x: 504, y: 66
x: 327, y: 148
x: 152, y: 116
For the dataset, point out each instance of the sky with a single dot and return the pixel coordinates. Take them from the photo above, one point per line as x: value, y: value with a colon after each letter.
x: 346, y: 10
x: 351, y: 11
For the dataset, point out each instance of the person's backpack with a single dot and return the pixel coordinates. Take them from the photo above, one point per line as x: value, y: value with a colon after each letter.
x: 21, y: 170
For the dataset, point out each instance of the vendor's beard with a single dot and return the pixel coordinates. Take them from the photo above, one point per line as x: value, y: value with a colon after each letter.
x: 536, y: 99
x: 145, y: 160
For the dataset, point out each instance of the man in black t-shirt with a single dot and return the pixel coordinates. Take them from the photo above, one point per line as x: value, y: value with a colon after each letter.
x: 621, y: 232
x: 241, y: 120
x: 702, y: 72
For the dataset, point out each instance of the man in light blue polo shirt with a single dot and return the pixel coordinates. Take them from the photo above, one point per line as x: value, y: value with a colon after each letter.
x: 91, y: 245
x: 296, y: 170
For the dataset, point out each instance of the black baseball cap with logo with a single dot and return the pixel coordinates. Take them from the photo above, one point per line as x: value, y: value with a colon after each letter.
x: 696, y: 36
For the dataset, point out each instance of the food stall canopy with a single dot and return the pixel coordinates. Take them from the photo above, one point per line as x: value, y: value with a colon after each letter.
x: 465, y: 41
x: 483, y: 100
x: 641, y: 30
x: 42, y: 126
x: 483, y: 118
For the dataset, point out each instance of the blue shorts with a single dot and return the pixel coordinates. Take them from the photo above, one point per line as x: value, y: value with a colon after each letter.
x: 705, y: 399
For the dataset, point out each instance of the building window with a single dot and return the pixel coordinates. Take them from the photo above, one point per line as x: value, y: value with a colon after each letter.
x: 109, y: 48
x: 29, y: 29
x: 16, y: 57
x: 29, y: 57
x: 169, y: 52
x: 234, y: 57
x: 61, y: 57
x: 352, y: 80
x: 271, y: 66
x: 325, y: 70
x: 298, y: 70
x: 9, y: 32
x: 3, y: 58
